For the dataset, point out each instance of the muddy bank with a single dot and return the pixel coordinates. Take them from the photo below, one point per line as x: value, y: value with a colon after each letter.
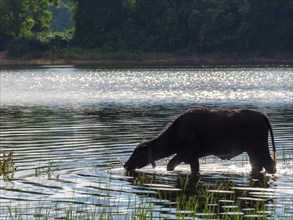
x: 157, y: 60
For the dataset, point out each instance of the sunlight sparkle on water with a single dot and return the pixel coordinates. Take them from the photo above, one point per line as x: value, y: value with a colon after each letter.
x: 71, y: 129
x: 151, y: 86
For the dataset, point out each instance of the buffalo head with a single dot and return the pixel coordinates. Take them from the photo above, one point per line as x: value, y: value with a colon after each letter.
x: 142, y: 156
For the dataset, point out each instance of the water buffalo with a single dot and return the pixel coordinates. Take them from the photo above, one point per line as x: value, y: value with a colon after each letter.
x: 200, y: 132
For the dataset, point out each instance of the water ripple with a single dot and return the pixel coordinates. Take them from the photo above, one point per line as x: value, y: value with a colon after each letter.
x: 69, y: 152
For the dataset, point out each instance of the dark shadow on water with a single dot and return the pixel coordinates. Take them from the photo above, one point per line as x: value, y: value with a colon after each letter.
x: 206, y: 194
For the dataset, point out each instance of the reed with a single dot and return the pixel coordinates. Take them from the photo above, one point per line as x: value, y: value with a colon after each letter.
x: 188, y: 207
x: 49, y: 170
x: 7, y: 166
x: 193, y: 200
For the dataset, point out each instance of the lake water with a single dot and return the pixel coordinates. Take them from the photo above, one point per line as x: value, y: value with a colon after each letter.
x: 71, y: 129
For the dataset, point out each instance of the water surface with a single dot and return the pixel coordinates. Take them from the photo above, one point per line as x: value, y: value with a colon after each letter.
x: 72, y: 129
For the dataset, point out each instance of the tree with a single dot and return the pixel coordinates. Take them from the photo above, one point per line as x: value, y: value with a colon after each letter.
x: 213, y: 24
x: 23, y: 18
x: 62, y: 16
x: 270, y: 26
x: 98, y: 23
x: 193, y: 26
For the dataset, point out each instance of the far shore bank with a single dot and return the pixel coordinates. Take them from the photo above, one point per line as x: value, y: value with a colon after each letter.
x: 164, y: 60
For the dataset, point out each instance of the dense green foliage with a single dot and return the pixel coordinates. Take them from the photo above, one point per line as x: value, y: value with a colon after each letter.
x: 62, y: 16
x: 235, y: 27
x: 186, y: 26
x: 35, y: 46
x: 20, y: 18
x: 25, y: 27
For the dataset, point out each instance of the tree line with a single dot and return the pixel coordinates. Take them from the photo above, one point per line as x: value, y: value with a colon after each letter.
x: 178, y: 26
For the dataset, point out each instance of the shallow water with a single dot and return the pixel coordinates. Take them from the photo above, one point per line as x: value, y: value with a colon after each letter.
x: 71, y: 130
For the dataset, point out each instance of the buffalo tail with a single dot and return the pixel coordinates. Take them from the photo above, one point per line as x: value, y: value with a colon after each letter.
x: 272, y: 138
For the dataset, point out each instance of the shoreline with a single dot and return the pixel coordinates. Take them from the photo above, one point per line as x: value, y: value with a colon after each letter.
x: 160, y: 60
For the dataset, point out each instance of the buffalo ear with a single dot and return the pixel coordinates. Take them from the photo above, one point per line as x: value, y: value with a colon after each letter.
x: 153, y: 164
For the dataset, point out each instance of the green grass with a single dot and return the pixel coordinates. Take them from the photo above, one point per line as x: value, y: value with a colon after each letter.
x: 196, y: 199
x: 50, y: 170
x: 7, y: 166
x: 187, y: 207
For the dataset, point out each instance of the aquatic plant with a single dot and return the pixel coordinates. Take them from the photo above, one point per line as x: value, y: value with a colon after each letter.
x: 7, y: 166
x: 49, y: 170
x: 195, y: 198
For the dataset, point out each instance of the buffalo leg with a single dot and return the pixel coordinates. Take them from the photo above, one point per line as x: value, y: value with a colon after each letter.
x: 179, y: 158
x: 256, y: 165
x: 270, y: 166
x: 268, y: 163
x: 189, y: 156
x: 260, y: 158
x: 194, y: 165
x: 174, y: 162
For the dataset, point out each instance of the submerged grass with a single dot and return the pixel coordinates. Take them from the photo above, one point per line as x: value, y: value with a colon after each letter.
x: 7, y: 166
x: 206, y: 202
x: 195, y: 199
x: 50, y: 170
x: 203, y: 204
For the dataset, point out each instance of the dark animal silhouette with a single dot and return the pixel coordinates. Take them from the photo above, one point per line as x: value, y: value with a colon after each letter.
x: 200, y: 132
